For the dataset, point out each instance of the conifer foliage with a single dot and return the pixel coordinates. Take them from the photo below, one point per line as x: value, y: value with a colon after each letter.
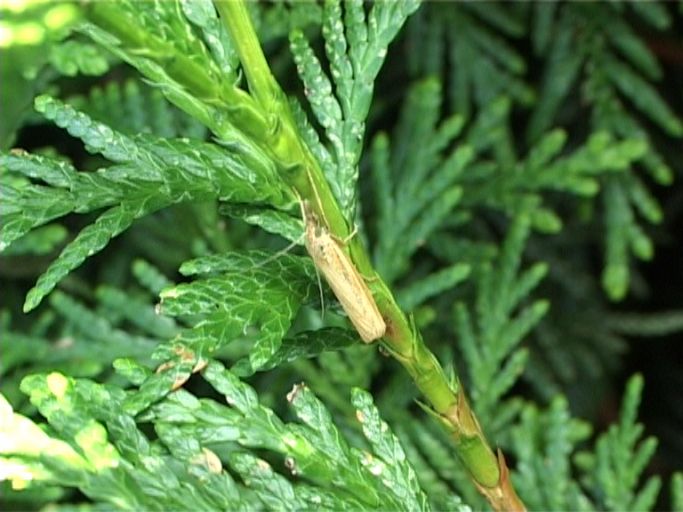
x: 163, y: 348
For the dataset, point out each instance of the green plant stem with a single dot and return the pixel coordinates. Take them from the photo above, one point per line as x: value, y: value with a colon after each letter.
x: 261, y: 81
x: 299, y: 166
x: 262, y: 118
x: 402, y: 340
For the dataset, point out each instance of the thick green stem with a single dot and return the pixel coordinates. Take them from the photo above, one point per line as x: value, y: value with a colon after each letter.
x: 262, y: 84
x: 299, y: 167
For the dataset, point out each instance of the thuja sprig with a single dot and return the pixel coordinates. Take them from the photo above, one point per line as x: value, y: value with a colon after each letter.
x: 280, y: 137
x: 446, y: 397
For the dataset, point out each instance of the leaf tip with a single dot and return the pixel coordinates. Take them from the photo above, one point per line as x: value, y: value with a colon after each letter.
x: 41, y: 102
x: 33, y: 299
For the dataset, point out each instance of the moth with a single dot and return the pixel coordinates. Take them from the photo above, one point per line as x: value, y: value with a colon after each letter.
x: 347, y: 284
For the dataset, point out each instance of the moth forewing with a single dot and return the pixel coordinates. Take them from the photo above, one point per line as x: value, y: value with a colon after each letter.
x: 348, y: 286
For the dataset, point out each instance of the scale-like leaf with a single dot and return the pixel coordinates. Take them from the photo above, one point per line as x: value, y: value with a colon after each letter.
x: 255, y: 295
x: 151, y: 174
x: 356, y: 49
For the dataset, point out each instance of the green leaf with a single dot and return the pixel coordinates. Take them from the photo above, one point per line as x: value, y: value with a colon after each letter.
x: 633, y: 49
x: 274, y: 491
x: 562, y: 69
x: 487, y: 64
x: 441, y: 497
x: 661, y: 323
x: 643, y: 96
x: 306, y: 344
x: 489, y: 146
x: 432, y: 443
x: 54, y: 396
x: 391, y: 463
x: 255, y: 295
x: 28, y: 441
x: 150, y: 277
x: 619, y: 217
x: 202, y: 13
x: 138, y: 312
x: 544, y: 442
x: 139, y: 475
x: 43, y: 240
x: 99, y: 330
x: 677, y: 491
x: 314, y: 449
x: 490, y: 340
x: 421, y: 290
x: 87, y: 345
x: 356, y: 50
x: 159, y: 41
x: 273, y: 221
x: 655, y: 14
x: 423, y: 181
x: 613, y: 471
x: 73, y: 57
x: 151, y: 174
x: 131, y: 108
x: 89, y: 241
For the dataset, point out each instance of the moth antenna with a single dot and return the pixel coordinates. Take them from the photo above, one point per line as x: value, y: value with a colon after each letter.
x: 322, y: 296
x: 292, y: 244
x: 279, y: 253
x: 304, y: 217
x: 317, y: 196
x: 301, y: 205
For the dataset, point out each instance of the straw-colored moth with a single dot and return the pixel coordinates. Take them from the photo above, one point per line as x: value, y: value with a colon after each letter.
x: 347, y: 284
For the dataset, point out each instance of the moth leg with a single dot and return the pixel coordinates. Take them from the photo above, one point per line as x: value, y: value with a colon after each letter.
x: 347, y: 238
x: 344, y: 241
x: 369, y: 279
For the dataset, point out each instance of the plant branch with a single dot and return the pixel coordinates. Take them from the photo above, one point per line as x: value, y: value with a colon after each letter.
x: 262, y: 84
x: 402, y: 340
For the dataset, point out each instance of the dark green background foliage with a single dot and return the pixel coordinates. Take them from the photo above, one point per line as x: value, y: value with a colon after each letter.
x: 515, y: 170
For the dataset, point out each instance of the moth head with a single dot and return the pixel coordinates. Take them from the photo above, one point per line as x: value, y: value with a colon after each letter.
x: 309, y: 215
